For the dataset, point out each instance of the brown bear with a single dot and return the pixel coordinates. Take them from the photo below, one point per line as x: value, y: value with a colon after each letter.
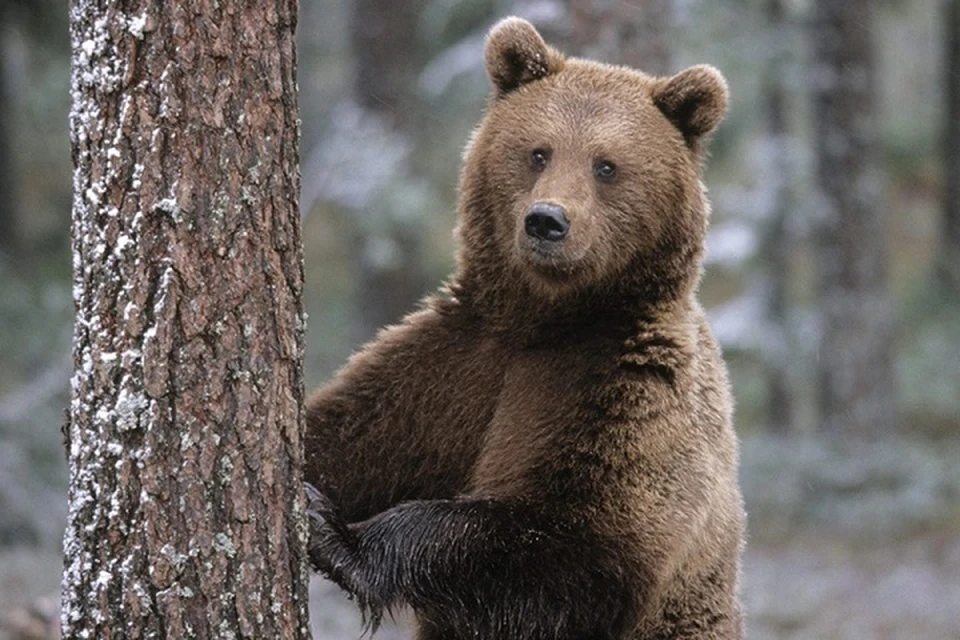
x: 545, y: 449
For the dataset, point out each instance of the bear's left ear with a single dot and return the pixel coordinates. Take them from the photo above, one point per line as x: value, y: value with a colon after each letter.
x: 694, y: 100
x: 516, y: 54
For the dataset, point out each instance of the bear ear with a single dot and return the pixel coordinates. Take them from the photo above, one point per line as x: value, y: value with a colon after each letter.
x: 516, y: 54
x: 694, y: 100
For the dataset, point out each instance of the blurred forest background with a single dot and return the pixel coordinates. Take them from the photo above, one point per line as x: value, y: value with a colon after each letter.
x: 833, y: 265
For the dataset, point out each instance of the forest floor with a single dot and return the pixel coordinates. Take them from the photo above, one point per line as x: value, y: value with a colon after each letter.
x: 843, y: 544
x: 808, y: 589
x: 825, y: 589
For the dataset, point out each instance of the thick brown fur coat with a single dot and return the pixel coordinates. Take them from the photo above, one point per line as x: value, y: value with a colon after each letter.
x: 545, y: 450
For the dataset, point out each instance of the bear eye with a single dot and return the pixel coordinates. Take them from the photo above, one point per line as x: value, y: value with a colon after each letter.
x: 605, y: 170
x: 539, y: 159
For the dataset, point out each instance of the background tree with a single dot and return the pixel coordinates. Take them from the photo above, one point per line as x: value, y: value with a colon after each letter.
x: 185, y: 508
x: 949, y: 267
x: 365, y: 167
x: 387, y: 239
x: 631, y: 33
x: 28, y: 28
x: 776, y: 243
x: 855, y: 357
x: 9, y: 211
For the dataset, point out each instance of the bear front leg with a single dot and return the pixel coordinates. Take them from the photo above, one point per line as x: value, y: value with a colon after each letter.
x: 475, y: 568
x: 405, y: 418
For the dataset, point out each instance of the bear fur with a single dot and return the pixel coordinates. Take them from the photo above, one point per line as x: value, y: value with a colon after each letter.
x: 545, y: 450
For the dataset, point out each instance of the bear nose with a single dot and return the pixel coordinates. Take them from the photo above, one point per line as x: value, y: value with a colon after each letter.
x: 546, y: 221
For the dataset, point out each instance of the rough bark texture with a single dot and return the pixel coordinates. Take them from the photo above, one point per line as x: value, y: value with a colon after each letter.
x: 855, y: 357
x: 387, y: 245
x: 950, y: 243
x: 777, y: 241
x: 185, y: 448
x: 631, y: 33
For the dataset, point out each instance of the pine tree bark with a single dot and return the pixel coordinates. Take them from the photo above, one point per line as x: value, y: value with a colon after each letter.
x: 949, y: 258
x: 185, y: 430
x: 636, y: 34
x: 855, y: 356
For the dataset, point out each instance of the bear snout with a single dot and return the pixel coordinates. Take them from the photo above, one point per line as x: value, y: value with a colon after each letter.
x: 546, y: 221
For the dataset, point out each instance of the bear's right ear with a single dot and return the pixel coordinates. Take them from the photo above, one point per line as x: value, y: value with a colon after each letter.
x: 515, y: 54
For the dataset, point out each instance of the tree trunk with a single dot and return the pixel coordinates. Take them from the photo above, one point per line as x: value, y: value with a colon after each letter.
x: 387, y: 240
x: 383, y: 37
x: 185, y: 434
x: 777, y: 241
x: 9, y: 213
x: 855, y: 358
x: 949, y: 267
x: 636, y: 34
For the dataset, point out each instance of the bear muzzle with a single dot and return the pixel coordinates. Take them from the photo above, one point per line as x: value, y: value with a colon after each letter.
x: 546, y: 221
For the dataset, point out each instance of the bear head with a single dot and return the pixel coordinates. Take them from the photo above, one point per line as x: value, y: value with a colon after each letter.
x: 582, y: 183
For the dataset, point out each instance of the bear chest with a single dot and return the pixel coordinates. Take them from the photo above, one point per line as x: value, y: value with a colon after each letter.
x: 545, y: 435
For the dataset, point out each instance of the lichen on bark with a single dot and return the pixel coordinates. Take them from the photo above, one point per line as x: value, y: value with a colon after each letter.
x: 184, y: 438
